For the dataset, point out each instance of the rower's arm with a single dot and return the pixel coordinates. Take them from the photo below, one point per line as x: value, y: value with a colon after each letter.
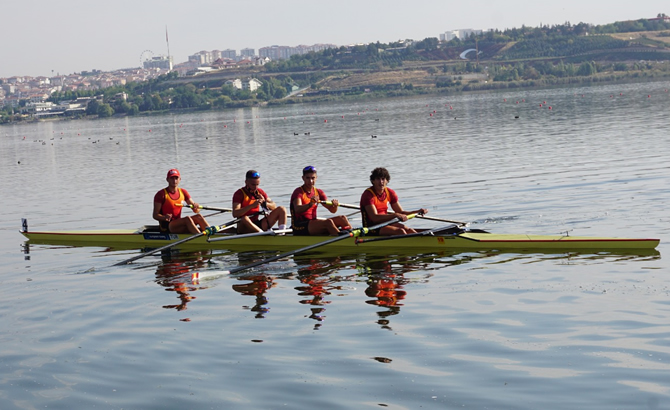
x: 397, y: 208
x: 299, y: 207
x: 157, y: 213
x: 376, y: 218
x: 239, y: 212
x: 270, y: 204
x: 194, y: 205
x: 334, y: 203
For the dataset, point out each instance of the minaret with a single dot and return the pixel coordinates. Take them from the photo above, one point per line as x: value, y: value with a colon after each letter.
x: 167, y: 40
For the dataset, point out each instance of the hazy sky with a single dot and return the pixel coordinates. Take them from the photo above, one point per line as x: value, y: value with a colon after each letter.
x: 66, y: 36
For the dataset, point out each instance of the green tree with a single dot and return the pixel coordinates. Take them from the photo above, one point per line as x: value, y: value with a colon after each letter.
x: 105, y: 110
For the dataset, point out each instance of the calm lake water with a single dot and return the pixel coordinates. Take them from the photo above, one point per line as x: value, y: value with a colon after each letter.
x: 475, y: 330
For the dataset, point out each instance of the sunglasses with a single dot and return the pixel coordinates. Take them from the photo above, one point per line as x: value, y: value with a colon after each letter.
x: 255, y: 175
x: 308, y: 169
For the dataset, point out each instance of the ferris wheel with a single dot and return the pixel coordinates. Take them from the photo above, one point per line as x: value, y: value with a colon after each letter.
x: 145, y: 56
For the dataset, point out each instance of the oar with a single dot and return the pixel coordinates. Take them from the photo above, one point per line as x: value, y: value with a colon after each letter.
x: 208, y: 231
x: 353, y: 234
x: 248, y: 235
x: 452, y: 230
x: 207, y: 208
x: 430, y: 218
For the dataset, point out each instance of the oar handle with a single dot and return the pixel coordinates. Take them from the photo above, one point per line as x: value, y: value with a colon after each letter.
x: 207, y: 208
x: 430, y: 218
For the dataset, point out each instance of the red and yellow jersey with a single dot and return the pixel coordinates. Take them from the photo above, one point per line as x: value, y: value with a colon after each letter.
x: 171, y: 202
x: 243, y: 197
x: 305, y: 198
x: 380, y: 202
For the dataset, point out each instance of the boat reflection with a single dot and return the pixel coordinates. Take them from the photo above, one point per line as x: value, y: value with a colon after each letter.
x: 320, y: 279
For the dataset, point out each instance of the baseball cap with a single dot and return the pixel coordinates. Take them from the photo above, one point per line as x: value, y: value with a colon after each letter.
x: 173, y: 173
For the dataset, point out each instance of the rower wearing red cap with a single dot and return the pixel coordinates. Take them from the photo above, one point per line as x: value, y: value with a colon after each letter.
x: 168, y: 205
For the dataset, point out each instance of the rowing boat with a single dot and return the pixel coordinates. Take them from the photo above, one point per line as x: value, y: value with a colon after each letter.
x: 434, y: 241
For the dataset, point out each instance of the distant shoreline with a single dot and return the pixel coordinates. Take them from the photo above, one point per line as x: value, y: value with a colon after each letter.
x: 601, y: 79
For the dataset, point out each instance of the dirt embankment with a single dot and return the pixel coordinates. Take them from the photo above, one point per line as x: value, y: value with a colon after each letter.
x: 425, y: 78
x: 652, y: 35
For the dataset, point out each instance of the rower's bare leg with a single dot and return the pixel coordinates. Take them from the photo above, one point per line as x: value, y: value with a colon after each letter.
x: 278, y: 215
x: 341, y: 221
x: 322, y: 226
x: 245, y: 225
x: 200, y: 221
x: 183, y: 225
x: 394, y: 230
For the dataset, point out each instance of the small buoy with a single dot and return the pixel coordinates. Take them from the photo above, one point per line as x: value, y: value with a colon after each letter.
x: 550, y: 107
x: 325, y: 120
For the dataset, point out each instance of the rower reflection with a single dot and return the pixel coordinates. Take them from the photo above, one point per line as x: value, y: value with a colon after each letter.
x: 258, y: 286
x: 173, y: 274
x: 317, y: 284
x: 385, y: 283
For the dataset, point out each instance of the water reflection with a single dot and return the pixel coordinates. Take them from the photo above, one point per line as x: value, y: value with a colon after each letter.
x: 317, y: 283
x: 257, y: 287
x: 174, y: 274
x: 319, y: 278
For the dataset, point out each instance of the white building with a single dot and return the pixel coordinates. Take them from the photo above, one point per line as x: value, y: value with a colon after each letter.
x: 162, y: 62
x: 251, y: 84
x: 236, y: 83
x: 461, y: 34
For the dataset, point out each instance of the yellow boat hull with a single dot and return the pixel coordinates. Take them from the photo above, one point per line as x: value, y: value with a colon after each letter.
x: 134, y: 239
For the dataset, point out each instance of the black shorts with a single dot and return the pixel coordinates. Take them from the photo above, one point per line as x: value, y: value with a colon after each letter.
x: 164, y: 226
x: 301, y: 228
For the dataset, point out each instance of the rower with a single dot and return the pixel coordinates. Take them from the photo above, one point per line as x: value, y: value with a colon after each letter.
x: 168, y: 204
x: 250, y: 200
x: 304, y: 203
x: 374, y: 206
